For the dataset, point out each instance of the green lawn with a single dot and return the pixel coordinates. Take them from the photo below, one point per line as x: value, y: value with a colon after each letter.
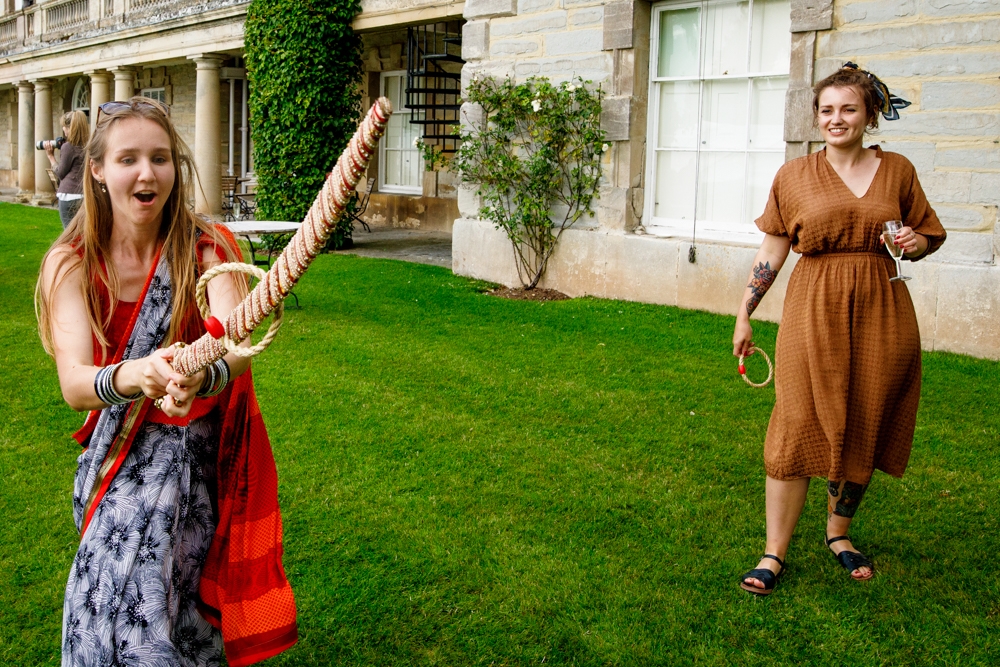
x: 472, y: 481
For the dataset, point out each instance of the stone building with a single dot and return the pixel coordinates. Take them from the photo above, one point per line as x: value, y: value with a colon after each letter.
x: 706, y: 99
x: 58, y: 55
x: 77, y: 54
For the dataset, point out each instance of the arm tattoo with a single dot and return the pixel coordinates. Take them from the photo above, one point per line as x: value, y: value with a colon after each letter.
x: 762, y: 279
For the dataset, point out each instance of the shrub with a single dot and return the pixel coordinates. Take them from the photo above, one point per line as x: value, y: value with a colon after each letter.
x: 304, y: 66
x: 535, y: 148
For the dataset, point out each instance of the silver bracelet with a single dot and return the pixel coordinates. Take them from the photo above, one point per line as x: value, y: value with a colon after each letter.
x: 218, y: 378
x: 104, y: 387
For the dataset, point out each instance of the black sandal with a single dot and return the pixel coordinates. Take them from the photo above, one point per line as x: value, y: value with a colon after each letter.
x: 852, y: 560
x: 765, y: 576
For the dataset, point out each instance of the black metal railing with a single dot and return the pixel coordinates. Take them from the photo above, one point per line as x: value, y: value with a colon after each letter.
x: 434, y: 81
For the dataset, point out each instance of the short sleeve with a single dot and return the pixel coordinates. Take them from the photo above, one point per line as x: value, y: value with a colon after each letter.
x: 918, y: 214
x: 770, y: 221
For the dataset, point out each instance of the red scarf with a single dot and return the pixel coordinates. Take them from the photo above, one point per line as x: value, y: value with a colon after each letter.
x: 243, y: 588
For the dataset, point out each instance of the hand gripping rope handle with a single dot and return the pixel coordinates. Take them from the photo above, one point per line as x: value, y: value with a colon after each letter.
x: 770, y: 368
x: 275, y: 285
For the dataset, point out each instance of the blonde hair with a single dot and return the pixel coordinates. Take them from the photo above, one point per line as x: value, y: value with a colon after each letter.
x: 89, y: 234
x: 79, y: 128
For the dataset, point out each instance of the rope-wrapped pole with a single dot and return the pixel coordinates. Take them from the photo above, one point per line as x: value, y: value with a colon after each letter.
x: 300, y: 251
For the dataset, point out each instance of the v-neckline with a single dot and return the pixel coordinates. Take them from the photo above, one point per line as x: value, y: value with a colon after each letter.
x: 881, y: 159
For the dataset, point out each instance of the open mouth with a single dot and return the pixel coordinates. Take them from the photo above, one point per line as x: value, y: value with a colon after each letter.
x: 145, y: 197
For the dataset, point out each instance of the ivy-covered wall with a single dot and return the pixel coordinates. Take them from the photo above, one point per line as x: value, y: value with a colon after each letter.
x: 304, y: 65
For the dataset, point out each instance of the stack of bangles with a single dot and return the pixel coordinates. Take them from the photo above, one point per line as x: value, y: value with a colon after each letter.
x: 105, y: 387
x: 216, y: 379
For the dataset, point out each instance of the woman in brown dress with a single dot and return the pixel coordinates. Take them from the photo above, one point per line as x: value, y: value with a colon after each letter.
x: 847, y: 378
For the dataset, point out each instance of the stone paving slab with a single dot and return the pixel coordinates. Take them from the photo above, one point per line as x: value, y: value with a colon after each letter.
x: 408, y: 245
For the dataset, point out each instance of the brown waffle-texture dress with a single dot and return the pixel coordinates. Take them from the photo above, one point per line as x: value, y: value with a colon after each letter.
x: 847, y: 362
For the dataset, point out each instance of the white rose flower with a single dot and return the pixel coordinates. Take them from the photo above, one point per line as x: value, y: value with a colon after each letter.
x: 416, y: 142
x: 571, y: 87
x: 536, y: 105
x: 604, y: 148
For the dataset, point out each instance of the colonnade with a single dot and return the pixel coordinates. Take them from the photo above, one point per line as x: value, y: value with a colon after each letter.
x: 35, y: 123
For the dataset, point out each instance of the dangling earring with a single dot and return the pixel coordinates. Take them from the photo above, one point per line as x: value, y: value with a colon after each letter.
x: 104, y: 188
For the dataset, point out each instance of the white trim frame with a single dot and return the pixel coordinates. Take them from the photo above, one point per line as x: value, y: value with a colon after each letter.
x: 402, y: 113
x: 737, y: 231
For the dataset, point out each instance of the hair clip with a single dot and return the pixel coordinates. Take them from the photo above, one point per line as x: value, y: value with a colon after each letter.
x: 889, y: 104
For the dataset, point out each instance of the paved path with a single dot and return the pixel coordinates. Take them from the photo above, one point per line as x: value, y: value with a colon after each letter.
x: 408, y: 245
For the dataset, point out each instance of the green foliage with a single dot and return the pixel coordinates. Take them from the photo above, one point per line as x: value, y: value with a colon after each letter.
x: 535, y: 148
x: 433, y: 156
x: 304, y: 65
x: 466, y: 480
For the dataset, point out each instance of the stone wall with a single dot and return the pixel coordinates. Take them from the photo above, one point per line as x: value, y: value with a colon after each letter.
x: 943, y: 55
x: 182, y: 80
x: 606, y: 43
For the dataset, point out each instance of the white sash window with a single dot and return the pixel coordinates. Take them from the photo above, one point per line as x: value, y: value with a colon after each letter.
x: 400, y: 164
x: 718, y: 76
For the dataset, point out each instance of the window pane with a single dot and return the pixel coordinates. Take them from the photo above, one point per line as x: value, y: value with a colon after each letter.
x: 720, y: 187
x: 392, y: 90
x: 767, y: 113
x: 760, y: 174
x: 410, y: 168
x: 394, y: 132
x: 726, y: 39
x: 679, y: 42
x: 392, y: 168
x: 675, y: 173
x: 678, y: 126
x: 772, y: 40
x: 411, y: 131
x: 724, y: 121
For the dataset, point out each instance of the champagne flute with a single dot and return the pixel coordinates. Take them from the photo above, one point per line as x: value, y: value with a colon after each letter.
x: 890, y: 229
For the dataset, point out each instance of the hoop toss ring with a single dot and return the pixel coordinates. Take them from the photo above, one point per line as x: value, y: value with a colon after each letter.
x: 770, y: 368
x: 227, y: 342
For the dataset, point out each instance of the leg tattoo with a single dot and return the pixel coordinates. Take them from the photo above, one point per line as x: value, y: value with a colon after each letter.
x: 844, y: 497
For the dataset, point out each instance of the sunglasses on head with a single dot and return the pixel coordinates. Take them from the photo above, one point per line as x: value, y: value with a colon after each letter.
x: 112, y: 108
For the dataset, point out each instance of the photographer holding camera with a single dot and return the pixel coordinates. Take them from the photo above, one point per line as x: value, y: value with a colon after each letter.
x: 69, y: 171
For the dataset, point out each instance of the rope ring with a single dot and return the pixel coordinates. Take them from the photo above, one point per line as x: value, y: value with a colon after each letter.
x: 770, y: 368
x: 226, y: 341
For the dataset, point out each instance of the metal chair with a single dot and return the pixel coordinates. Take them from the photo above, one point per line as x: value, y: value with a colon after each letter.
x: 247, y: 202
x: 228, y: 198
x: 361, y: 202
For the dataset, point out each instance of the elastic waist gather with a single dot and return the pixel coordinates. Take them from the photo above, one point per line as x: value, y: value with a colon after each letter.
x: 863, y: 253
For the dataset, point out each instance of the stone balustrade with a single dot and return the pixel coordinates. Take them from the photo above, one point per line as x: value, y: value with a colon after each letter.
x: 66, y: 14
x: 61, y: 20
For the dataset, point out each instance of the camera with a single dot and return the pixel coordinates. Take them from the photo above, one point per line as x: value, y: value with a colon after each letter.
x: 55, y: 143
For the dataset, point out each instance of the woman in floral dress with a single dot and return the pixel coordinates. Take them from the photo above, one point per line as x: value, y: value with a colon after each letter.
x: 175, y: 494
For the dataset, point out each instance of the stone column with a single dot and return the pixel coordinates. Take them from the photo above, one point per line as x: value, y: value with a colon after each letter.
x: 124, y: 83
x: 207, y: 135
x: 100, y: 92
x: 25, y: 141
x: 44, y: 190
